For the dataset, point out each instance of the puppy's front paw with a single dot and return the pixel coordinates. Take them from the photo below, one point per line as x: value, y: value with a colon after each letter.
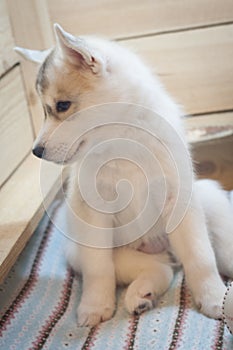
x: 139, y: 297
x: 90, y: 314
x: 211, y: 303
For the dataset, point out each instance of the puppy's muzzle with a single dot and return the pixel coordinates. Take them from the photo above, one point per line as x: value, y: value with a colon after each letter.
x: 38, y: 151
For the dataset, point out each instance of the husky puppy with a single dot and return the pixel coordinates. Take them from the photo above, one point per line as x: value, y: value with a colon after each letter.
x: 82, y: 72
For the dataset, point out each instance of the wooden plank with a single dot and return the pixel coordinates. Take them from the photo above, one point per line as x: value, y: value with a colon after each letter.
x: 21, y: 201
x: 213, y: 151
x: 195, y: 66
x: 22, y: 207
x: 214, y: 160
x: 7, y: 56
x: 125, y: 18
x: 35, y: 32
x: 205, y: 128
x: 15, y: 126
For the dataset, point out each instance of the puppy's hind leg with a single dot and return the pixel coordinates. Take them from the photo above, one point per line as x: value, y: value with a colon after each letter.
x: 219, y: 217
x: 148, y: 278
x: 191, y: 244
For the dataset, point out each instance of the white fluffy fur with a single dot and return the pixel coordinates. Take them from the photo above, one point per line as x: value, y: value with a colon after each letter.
x: 203, y: 242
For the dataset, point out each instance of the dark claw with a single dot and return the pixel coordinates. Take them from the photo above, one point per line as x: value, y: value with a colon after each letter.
x: 142, y: 306
x: 139, y: 309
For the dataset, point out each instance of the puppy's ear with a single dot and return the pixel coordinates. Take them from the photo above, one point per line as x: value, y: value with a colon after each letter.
x: 77, y: 51
x: 35, y: 56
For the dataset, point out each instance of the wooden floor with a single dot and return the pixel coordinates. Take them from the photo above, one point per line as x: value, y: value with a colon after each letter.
x: 189, y: 44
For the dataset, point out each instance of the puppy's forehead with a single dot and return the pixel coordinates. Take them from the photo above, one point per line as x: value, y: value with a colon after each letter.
x: 59, y: 79
x: 42, y: 81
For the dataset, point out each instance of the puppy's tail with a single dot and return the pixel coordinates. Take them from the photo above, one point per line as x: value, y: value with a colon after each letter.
x: 218, y: 212
x: 216, y: 205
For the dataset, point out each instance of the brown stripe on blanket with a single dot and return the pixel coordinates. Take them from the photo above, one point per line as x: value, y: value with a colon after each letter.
x: 90, y: 338
x: 56, y: 315
x: 218, y: 340
x: 180, y: 316
x: 29, y: 284
x: 133, y: 330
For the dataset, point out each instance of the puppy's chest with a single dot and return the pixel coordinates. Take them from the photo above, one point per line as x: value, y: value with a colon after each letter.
x: 119, y: 193
x: 125, y: 188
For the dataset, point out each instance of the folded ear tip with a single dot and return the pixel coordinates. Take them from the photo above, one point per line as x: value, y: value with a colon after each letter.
x: 17, y: 48
x: 58, y: 28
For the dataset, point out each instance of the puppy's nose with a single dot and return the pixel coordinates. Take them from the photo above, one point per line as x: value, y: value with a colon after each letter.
x: 38, y: 151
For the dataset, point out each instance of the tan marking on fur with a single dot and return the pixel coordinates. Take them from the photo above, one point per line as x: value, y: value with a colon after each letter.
x: 42, y: 81
x: 62, y: 81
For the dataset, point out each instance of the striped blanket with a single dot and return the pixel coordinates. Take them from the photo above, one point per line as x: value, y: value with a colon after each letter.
x: 38, y: 302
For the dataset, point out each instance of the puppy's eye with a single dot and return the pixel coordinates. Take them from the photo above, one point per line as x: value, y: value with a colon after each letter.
x: 63, y: 106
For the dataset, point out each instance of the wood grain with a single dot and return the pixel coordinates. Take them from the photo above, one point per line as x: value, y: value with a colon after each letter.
x: 206, y: 128
x: 15, y: 125
x: 195, y: 66
x: 32, y: 31
x: 22, y: 207
x: 120, y: 18
x: 212, y: 151
x: 7, y: 56
x: 214, y: 160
